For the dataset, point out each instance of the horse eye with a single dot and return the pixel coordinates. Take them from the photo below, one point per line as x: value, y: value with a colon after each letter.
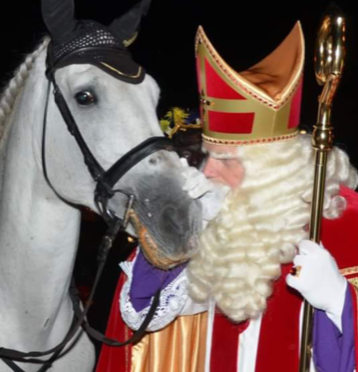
x: 85, y: 98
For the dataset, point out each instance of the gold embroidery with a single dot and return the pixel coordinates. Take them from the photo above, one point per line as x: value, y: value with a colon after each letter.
x: 227, y: 142
x: 354, y: 282
x: 121, y: 73
x: 349, y: 271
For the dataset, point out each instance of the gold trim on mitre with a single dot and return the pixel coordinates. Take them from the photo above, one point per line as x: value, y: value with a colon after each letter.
x: 267, y: 91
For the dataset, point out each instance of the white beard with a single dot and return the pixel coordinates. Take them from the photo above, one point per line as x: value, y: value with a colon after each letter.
x: 237, y: 263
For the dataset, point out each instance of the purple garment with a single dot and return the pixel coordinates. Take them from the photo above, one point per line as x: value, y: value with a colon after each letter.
x: 334, y: 351
x: 147, y: 279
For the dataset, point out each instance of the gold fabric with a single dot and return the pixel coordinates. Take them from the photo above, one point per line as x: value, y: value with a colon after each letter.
x: 351, y: 271
x: 180, y: 347
x: 354, y: 282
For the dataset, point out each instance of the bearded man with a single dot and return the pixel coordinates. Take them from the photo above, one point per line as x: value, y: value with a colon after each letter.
x: 236, y: 307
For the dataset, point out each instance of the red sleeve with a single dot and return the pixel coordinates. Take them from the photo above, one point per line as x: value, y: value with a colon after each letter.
x: 116, y: 359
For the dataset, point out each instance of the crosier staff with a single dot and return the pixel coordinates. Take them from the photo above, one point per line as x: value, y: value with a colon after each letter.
x: 329, y: 61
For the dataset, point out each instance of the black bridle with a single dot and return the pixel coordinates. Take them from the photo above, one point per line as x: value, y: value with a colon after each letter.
x: 105, y: 181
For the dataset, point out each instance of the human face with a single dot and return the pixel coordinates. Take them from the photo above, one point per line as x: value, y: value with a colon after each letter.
x: 223, y: 165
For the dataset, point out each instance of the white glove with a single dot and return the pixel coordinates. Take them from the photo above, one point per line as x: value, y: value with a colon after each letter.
x: 211, y: 194
x: 319, y: 280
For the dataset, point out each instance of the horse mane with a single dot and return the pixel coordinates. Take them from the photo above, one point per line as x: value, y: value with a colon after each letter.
x: 9, y: 95
x: 13, y: 87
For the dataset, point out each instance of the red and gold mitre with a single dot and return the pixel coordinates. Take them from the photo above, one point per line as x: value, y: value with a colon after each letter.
x: 261, y: 104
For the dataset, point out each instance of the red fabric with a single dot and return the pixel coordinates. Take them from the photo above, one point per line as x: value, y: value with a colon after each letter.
x: 224, y: 343
x: 116, y: 359
x: 216, y: 87
x: 340, y: 236
x: 295, y: 110
x: 279, y: 336
x: 224, y: 122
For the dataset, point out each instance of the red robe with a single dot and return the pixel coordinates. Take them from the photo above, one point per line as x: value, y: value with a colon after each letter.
x: 278, y: 348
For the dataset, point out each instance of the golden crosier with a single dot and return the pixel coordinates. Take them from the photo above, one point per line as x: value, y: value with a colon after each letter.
x: 329, y: 62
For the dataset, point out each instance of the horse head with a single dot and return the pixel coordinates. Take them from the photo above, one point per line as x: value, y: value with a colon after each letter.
x: 112, y: 102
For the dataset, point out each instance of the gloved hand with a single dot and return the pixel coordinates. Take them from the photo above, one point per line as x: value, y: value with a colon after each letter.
x: 319, y: 280
x: 211, y: 194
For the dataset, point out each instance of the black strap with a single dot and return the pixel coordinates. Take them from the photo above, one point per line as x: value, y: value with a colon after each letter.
x: 47, y: 364
x: 107, y: 179
x: 104, y: 248
x: 43, y: 146
x: 12, y: 365
x: 91, y: 162
x: 30, y: 357
x: 80, y: 316
x: 134, y: 156
x: 137, y: 336
x: 104, y: 188
x: 24, y: 357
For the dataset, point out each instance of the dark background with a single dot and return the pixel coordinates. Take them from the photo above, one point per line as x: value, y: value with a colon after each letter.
x: 242, y: 32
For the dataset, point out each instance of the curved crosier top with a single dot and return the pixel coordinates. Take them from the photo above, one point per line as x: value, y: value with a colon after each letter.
x: 261, y: 104
x: 86, y: 41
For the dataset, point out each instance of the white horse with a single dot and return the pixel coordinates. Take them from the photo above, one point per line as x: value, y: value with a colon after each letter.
x: 38, y: 230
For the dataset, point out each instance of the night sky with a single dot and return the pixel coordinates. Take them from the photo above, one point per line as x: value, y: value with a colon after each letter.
x: 243, y: 32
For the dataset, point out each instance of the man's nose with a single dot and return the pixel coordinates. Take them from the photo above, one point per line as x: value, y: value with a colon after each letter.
x: 210, y: 168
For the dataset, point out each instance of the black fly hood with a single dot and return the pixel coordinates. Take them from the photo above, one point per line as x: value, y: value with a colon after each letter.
x: 89, y: 42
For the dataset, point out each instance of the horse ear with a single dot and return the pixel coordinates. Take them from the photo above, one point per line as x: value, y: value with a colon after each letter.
x: 59, y: 17
x: 126, y: 26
